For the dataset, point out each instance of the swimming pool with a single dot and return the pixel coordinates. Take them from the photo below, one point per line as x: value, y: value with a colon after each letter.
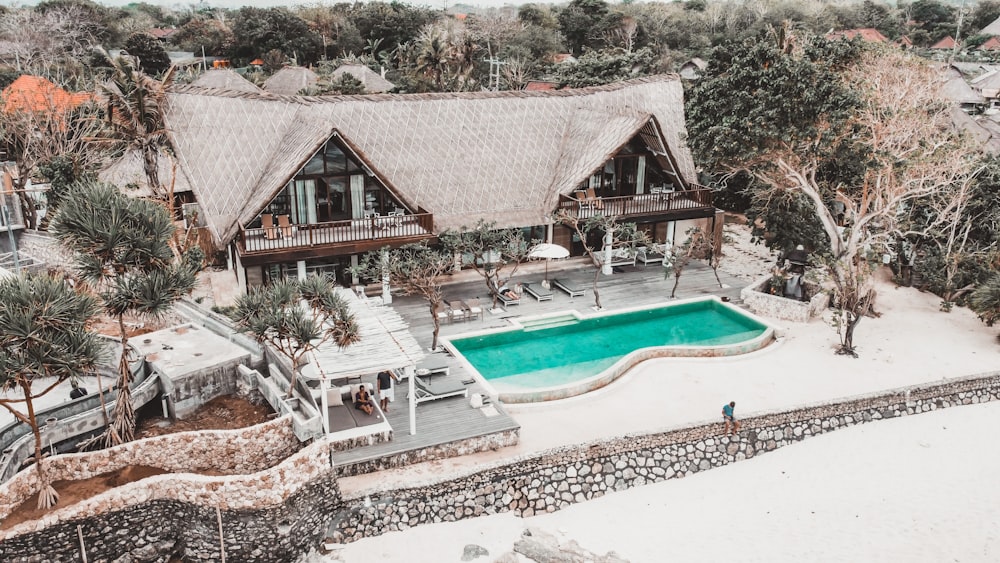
x: 564, y: 354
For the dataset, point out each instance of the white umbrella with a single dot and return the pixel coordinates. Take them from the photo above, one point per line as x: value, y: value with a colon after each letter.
x: 548, y: 251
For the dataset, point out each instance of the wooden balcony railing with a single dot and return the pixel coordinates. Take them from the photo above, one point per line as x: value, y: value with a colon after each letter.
x: 337, y: 232
x: 662, y: 203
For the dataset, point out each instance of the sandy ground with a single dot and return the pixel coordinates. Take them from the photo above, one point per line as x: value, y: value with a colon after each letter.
x: 915, y: 489
x: 911, y: 342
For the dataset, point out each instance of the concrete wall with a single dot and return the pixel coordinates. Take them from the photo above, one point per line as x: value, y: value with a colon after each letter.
x: 777, y: 307
x: 561, y: 477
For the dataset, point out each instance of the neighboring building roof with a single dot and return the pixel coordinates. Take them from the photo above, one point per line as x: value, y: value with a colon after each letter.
x: 129, y: 174
x: 162, y: 33
x: 991, y: 44
x: 958, y: 90
x: 540, y: 86
x: 500, y: 156
x: 992, y: 29
x: 225, y: 79
x: 946, y: 43
x: 34, y: 93
x: 290, y: 80
x: 374, y: 83
x: 693, y: 68
x: 869, y: 34
x: 563, y: 58
x: 904, y: 41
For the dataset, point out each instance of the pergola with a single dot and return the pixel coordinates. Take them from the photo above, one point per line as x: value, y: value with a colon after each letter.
x: 385, y: 344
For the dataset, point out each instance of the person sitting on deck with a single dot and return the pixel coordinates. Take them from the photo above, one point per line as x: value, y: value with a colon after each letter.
x: 363, y: 400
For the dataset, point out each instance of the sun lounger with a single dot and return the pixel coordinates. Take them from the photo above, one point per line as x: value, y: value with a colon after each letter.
x: 343, y: 415
x: 537, y: 291
x: 432, y: 390
x: 507, y: 301
x: 474, y: 308
x: 569, y: 288
x: 649, y: 255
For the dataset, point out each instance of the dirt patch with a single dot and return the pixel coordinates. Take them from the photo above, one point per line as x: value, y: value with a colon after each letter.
x: 72, y: 492
x: 221, y: 413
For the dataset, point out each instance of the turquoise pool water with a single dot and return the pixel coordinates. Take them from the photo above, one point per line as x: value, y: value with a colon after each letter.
x: 555, y: 351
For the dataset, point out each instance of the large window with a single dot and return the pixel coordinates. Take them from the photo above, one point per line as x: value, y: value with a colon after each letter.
x: 331, y: 187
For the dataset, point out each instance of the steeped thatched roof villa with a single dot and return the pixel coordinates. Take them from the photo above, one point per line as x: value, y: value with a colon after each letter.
x: 294, y: 184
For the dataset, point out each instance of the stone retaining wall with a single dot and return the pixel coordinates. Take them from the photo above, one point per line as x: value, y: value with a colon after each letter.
x: 271, y: 516
x: 44, y: 248
x: 559, y: 478
x: 231, y: 452
x: 778, y: 307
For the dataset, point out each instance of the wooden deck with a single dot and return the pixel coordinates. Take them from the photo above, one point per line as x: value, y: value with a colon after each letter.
x: 448, y: 420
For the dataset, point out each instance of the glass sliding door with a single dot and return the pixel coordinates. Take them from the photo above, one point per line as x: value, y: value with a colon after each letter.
x: 304, y: 208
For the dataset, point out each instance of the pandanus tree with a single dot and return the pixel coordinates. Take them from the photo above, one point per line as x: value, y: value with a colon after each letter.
x: 45, y: 340
x: 415, y: 269
x: 123, y: 249
x: 296, y: 317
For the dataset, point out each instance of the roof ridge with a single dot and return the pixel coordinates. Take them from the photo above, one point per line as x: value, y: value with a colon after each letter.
x: 426, y: 96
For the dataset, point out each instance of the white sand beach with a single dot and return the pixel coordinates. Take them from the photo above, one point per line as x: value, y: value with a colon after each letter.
x: 915, y: 489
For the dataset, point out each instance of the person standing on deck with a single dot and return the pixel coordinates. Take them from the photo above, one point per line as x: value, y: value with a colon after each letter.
x: 385, y: 390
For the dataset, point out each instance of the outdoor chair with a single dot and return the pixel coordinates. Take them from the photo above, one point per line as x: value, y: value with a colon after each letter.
x: 474, y: 308
x: 585, y: 202
x: 537, y: 291
x: 569, y: 288
x: 595, y: 201
x: 285, y: 226
x: 443, y: 313
x: 431, y: 390
x: 267, y: 223
x: 649, y: 255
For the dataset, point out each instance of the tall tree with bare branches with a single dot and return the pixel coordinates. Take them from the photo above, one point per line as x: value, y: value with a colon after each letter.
x: 796, y: 115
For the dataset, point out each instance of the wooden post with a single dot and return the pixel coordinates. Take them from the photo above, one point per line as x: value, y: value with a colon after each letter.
x: 222, y: 541
x: 411, y: 374
x: 83, y: 548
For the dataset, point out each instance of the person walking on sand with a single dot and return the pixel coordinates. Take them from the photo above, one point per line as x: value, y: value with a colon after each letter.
x: 385, y: 391
x: 729, y: 418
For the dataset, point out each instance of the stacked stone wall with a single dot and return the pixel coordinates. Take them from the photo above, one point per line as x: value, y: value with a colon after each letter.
x: 42, y: 247
x: 559, y: 478
x: 269, y: 516
x: 230, y: 452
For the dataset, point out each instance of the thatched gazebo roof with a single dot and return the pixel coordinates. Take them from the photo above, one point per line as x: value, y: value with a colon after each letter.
x: 225, y: 79
x: 373, y: 82
x: 500, y: 156
x: 290, y: 80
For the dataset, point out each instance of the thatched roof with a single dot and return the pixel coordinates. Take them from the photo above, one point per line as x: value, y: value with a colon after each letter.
x: 374, y: 83
x: 225, y: 79
x: 290, y: 80
x: 385, y: 343
x: 992, y: 29
x: 958, y: 90
x: 499, y: 156
x: 129, y: 174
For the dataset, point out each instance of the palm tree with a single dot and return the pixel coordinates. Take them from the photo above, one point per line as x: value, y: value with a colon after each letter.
x: 433, y: 58
x: 274, y: 315
x: 45, y: 335
x: 123, y: 248
x: 135, y: 103
x: 985, y: 300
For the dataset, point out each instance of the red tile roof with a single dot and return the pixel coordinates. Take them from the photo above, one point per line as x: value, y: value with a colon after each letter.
x: 991, y: 44
x: 946, y: 43
x: 540, y: 85
x: 869, y: 34
x: 161, y: 33
x: 34, y: 93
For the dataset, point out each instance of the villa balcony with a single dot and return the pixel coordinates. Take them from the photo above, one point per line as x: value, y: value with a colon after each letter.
x: 659, y: 205
x: 300, y: 242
